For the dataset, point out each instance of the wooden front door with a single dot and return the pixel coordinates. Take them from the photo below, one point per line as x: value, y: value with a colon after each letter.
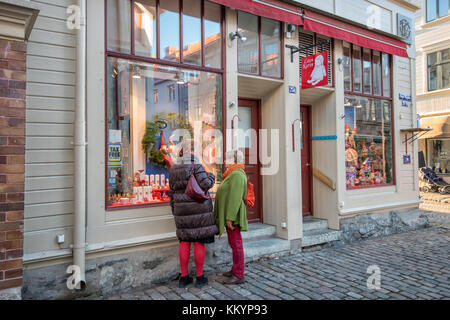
x: 248, y: 143
x: 305, y: 117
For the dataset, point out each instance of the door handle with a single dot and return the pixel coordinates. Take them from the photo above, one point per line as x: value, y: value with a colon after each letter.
x: 308, y: 164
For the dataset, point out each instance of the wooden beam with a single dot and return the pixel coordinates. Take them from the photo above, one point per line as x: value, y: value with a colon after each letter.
x: 322, y: 177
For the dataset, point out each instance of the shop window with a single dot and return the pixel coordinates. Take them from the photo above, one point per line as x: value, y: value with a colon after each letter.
x: 169, y: 20
x: 357, y: 74
x: 213, y: 35
x: 119, y: 32
x: 376, y: 73
x: 438, y: 155
x: 437, y: 9
x: 366, y: 71
x: 368, y: 142
x: 168, y: 30
x: 260, y: 53
x: 347, y: 68
x: 143, y: 136
x: 145, y: 28
x: 368, y: 117
x: 270, y: 47
x: 192, y: 32
x: 438, y: 69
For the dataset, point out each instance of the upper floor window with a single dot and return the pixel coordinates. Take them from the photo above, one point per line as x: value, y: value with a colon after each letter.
x: 260, y: 53
x: 437, y: 9
x: 366, y: 71
x: 181, y: 31
x: 438, y: 69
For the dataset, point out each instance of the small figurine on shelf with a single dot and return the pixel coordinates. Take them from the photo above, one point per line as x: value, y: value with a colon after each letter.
x: 377, y: 177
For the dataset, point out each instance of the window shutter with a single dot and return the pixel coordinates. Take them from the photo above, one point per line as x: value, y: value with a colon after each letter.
x: 327, y: 47
x: 305, y: 39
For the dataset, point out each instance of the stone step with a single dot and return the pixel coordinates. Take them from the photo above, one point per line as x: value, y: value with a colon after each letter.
x: 310, y: 223
x: 320, y: 236
x: 258, y: 231
x: 264, y: 247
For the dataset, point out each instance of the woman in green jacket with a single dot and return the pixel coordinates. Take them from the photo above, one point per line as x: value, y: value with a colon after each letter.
x: 231, y: 213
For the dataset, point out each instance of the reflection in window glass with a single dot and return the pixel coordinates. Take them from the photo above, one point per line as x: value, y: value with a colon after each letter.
x: 357, y: 76
x: 438, y: 65
x: 347, y: 68
x: 169, y: 26
x: 248, y: 50
x: 145, y: 28
x: 432, y: 71
x: 245, y: 126
x: 192, y: 32
x: 142, y: 127
x: 119, y: 25
x: 443, y: 7
x: 376, y: 73
x: 431, y: 9
x: 270, y: 47
x: 367, y: 69
x: 213, y: 35
x: 368, y: 142
x: 386, y: 63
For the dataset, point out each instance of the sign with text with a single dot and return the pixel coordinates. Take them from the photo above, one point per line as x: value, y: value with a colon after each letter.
x: 315, y: 70
x: 114, y: 154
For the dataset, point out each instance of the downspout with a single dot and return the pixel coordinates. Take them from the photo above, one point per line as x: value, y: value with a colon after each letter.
x: 79, y: 238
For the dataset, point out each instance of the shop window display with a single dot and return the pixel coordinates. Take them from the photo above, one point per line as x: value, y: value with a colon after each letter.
x: 368, y: 142
x: 142, y: 135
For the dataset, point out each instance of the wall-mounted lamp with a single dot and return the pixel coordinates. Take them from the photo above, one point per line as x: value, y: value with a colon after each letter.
x: 231, y: 104
x: 238, y: 34
x: 290, y: 28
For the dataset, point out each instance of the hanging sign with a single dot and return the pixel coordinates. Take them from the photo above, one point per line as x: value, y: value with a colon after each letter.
x: 114, y: 154
x: 315, y: 70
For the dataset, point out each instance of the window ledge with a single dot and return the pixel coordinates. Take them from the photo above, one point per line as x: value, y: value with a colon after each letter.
x: 434, y: 93
x: 435, y: 22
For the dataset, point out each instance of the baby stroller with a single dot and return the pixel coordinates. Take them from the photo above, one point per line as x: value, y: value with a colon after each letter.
x: 430, y: 182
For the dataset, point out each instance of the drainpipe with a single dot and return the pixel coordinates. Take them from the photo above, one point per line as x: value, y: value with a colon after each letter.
x: 79, y: 238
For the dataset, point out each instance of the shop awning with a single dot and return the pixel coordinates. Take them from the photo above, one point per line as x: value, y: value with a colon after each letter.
x: 440, y: 125
x: 272, y: 9
x: 359, y: 36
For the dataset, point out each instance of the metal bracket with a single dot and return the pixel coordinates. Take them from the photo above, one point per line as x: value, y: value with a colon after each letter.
x: 295, y: 49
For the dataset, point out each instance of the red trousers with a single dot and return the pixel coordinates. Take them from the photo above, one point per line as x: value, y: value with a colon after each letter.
x: 199, y: 257
x: 235, y: 242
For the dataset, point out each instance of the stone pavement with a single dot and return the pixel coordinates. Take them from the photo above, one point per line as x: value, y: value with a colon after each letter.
x: 413, y: 265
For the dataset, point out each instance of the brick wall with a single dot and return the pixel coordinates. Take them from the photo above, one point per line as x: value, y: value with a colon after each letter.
x: 12, y: 160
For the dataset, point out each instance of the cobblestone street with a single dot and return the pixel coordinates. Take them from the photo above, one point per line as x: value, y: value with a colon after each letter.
x: 413, y: 265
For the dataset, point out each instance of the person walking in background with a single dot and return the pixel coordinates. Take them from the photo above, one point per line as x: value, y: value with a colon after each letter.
x: 231, y: 212
x: 194, y: 220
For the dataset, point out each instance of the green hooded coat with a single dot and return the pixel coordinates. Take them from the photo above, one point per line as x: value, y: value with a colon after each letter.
x: 229, y: 203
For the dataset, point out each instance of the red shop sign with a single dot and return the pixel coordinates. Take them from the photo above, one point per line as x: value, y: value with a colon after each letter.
x: 315, y: 70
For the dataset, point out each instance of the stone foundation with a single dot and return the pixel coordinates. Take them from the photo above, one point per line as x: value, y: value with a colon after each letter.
x: 382, y: 224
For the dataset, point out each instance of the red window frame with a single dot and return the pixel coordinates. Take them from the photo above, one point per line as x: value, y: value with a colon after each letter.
x: 260, y: 47
x: 378, y: 97
x: 133, y: 57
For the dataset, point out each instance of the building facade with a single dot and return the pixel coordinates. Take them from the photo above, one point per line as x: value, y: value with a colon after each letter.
x: 432, y: 24
x: 110, y: 95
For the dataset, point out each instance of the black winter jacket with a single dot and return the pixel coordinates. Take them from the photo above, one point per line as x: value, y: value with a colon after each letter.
x: 195, y: 221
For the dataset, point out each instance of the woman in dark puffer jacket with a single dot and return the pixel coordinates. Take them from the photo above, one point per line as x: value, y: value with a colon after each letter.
x: 195, y: 221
